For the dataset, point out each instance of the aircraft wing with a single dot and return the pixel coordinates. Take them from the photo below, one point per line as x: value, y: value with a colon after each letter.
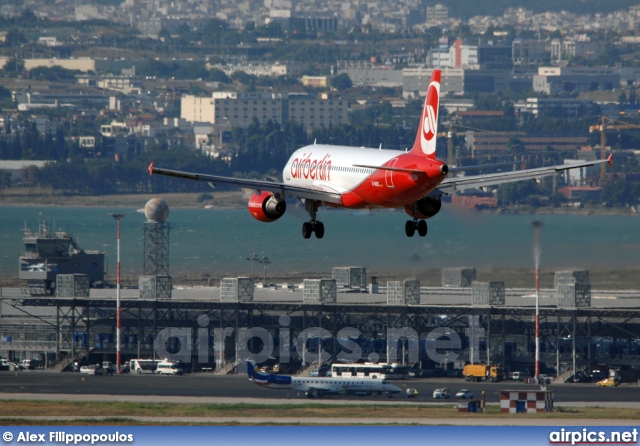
x: 319, y: 193
x: 453, y: 184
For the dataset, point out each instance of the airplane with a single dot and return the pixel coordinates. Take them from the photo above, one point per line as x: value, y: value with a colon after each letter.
x: 320, y: 387
x: 369, y: 178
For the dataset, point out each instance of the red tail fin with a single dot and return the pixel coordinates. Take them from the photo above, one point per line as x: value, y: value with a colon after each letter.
x: 425, y: 143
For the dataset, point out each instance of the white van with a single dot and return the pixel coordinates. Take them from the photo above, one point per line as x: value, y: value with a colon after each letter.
x: 141, y: 366
x: 169, y: 368
x: 28, y: 364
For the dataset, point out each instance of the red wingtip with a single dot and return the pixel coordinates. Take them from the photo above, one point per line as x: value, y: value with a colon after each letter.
x: 151, y: 168
x: 609, y: 160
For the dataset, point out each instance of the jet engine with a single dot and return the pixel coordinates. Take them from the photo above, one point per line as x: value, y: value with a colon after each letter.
x: 426, y: 207
x: 265, y: 207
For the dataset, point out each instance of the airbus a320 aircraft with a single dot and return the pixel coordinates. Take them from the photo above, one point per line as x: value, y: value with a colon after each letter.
x: 369, y: 178
x: 322, y: 386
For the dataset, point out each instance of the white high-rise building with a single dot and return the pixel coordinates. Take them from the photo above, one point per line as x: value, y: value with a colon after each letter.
x: 437, y: 14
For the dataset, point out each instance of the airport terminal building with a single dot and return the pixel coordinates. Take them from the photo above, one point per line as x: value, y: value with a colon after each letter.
x: 322, y: 320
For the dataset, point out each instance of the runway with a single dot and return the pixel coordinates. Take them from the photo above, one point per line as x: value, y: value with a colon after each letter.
x: 208, y: 388
x: 233, y: 389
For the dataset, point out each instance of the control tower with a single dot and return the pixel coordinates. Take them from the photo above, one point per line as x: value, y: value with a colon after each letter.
x: 48, y: 253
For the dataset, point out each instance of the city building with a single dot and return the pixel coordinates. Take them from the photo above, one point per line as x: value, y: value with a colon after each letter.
x: 84, y: 64
x: 315, y: 81
x: 554, y: 80
x: 495, y: 57
x: 291, y: 69
x: 526, y: 52
x: 455, y: 81
x: 437, y: 14
x: 499, y: 144
x: 567, y: 49
x: 367, y: 74
x: 123, y: 84
x: 240, y: 109
x: 559, y: 107
x: 455, y: 56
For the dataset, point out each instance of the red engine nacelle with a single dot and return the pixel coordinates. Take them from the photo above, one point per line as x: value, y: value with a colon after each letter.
x: 426, y: 207
x: 266, y: 208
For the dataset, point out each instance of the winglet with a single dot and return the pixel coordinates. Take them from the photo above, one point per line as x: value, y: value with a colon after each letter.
x: 151, y: 168
x: 609, y: 160
x: 251, y: 369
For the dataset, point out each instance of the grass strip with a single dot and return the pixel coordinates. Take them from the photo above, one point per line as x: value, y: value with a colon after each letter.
x: 19, y: 409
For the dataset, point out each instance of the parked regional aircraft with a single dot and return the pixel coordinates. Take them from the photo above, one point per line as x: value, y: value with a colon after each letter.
x: 358, y: 177
x: 322, y: 386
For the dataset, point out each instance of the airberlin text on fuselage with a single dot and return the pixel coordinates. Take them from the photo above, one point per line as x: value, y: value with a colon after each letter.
x: 308, y: 168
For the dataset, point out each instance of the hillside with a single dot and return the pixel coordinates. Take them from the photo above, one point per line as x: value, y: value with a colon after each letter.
x: 464, y: 9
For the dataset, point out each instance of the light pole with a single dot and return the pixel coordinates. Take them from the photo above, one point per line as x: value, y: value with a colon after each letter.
x: 118, y: 217
x: 265, y: 261
x: 537, y: 225
x: 253, y: 259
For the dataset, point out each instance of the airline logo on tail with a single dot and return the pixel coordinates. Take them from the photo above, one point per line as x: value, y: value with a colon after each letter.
x: 429, y: 121
x: 265, y: 379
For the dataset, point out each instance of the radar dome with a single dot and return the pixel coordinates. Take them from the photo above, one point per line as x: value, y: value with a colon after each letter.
x: 156, y: 210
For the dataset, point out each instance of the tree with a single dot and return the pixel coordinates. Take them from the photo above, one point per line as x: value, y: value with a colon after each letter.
x: 15, y: 37
x: 243, y: 78
x: 516, y: 147
x: 28, y: 16
x: 13, y: 67
x: 216, y: 75
x: 556, y: 199
x: 486, y: 102
x: 53, y: 74
x: 342, y: 82
x: 621, y: 192
x: 514, y: 193
x: 5, y: 180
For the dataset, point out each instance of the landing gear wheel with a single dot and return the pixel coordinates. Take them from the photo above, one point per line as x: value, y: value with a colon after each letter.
x: 410, y: 228
x: 313, y: 225
x: 307, y: 229
x: 319, y: 229
x: 422, y: 228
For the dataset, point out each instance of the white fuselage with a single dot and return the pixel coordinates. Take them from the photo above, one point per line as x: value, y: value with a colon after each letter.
x: 331, y: 168
x: 331, y: 385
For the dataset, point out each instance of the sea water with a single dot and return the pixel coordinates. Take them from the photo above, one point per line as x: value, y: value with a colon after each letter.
x: 220, y: 242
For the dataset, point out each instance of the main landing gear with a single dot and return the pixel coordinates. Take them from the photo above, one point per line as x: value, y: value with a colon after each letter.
x: 313, y: 226
x: 311, y: 206
x: 411, y: 226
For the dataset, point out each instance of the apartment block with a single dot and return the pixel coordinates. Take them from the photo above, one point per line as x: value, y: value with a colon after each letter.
x: 240, y: 109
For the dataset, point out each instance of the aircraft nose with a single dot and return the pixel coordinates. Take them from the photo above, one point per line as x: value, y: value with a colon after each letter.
x: 444, y: 169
